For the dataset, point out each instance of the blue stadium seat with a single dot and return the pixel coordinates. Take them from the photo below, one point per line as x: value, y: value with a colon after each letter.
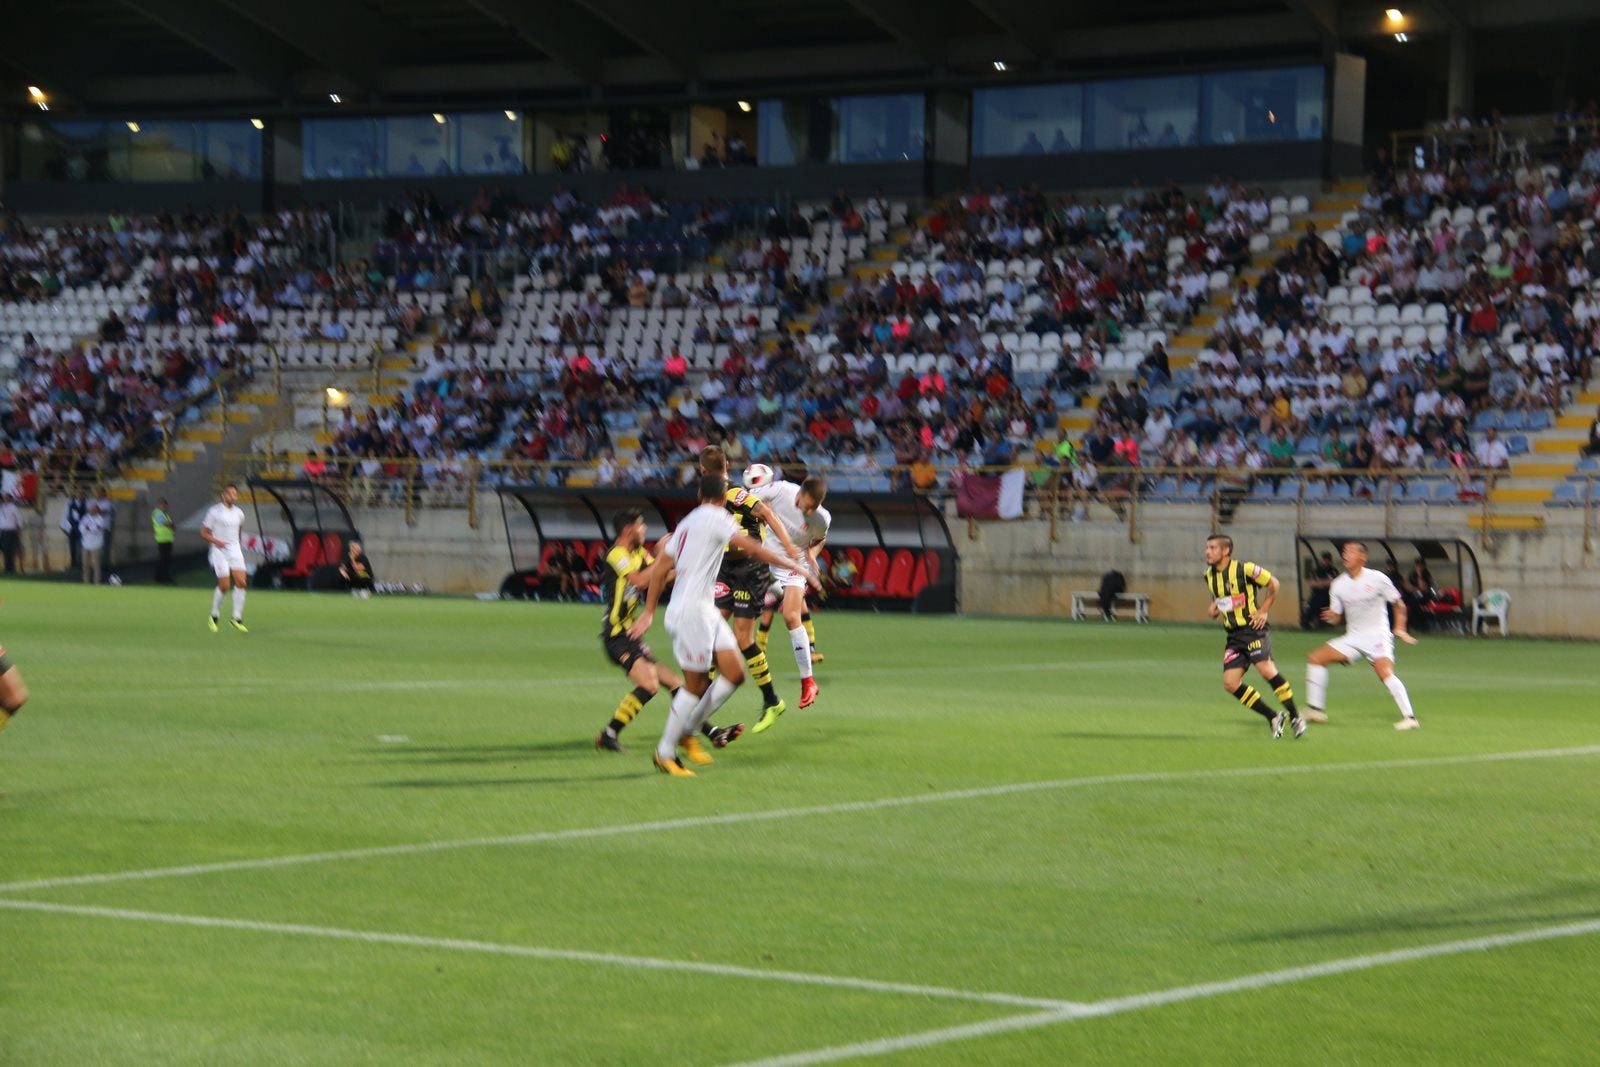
x: 1518, y: 444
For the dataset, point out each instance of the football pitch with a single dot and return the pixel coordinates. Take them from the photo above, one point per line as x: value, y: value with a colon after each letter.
x: 378, y: 832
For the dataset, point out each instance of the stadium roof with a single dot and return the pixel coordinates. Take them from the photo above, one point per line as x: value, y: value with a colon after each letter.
x: 95, y: 54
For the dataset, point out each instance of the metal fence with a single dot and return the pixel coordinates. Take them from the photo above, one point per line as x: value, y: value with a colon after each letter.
x: 1051, y: 494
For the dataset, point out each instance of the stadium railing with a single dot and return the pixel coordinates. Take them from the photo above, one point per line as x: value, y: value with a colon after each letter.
x: 415, y: 485
x: 1533, y: 139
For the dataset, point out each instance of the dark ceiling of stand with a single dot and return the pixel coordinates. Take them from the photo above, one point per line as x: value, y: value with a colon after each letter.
x: 93, y: 54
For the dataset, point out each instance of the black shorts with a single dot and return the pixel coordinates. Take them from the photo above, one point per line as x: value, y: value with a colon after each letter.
x: 625, y: 651
x: 742, y: 587
x: 1246, y: 645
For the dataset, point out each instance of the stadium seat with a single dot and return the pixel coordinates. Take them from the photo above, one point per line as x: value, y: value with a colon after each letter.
x: 858, y: 561
x: 307, y: 556
x: 872, y: 574
x: 919, y: 575
x: 898, y: 583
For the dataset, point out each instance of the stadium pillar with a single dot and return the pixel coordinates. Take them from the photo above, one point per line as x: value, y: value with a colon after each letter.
x: 281, y: 164
x: 949, y: 142
x: 1346, y: 125
x: 1461, y: 70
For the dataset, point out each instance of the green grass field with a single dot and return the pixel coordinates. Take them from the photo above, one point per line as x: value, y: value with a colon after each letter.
x: 377, y: 832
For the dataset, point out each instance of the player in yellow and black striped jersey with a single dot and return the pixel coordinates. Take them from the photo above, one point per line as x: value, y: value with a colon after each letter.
x: 624, y: 577
x: 1241, y: 595
x: 742, y: 585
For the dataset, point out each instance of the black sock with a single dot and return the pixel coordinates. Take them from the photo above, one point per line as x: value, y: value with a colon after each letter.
x: 1252, y: 700
x: 1285, y: 694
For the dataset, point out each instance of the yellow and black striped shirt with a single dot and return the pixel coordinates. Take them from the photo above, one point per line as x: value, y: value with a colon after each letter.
x: 623, y: 601
x: 1233, y: 587
x: 741, y: 504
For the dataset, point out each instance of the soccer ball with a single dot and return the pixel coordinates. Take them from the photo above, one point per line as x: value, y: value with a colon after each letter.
x: 115, y: 579
x: 757, y: 475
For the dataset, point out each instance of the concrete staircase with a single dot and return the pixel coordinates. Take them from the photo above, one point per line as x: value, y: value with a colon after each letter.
x: 189, y: 486
x: 309, y: 393
x: 1519, y: 501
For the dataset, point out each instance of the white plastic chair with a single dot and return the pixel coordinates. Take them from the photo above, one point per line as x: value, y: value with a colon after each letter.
x: 1491, y: 604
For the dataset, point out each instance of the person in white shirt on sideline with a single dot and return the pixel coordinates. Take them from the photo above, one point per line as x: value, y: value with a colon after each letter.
x: 1362, y: 598
x: 92, y: 539
x: 700, y: 635
x: 220, y: 529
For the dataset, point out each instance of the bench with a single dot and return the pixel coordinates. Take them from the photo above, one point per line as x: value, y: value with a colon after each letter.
x: 1085, y: 601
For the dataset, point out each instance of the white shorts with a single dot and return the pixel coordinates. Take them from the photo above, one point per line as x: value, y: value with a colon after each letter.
x: 783, y: 578
x: 697, y: 636
x: 224, y: 561
x: 1357, y: 647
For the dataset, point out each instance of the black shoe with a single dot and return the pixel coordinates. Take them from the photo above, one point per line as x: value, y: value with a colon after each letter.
x: 608, y: 742
x: 723, y: 736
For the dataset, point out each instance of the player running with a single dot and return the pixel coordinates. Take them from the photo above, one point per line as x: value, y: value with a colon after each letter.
x: 624, y: 577
x: 799, y: 511
x: 220, y: 529
x: 742, y: 582
x: 701, y: 637
x: 1241, y: 596
x: 13, y: 692
x: 1362, y: 598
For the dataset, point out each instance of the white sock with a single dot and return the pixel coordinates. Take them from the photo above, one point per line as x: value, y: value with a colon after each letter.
x: 684, y: 704
x: 1402, y: 699
x: 1316, y: 685
x: 802, y: 650
x: 238, y: 602
x: 721, y: 689
x: 216, y: 602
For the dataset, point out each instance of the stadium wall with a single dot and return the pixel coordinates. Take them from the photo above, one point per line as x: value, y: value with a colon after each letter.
x: 1154, y: 166
x: 1015, y: 569
x: 1300, y: 160
x: 441, y: 551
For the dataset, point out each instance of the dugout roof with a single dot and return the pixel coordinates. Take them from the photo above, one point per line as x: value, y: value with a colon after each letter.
x: 534, y: 514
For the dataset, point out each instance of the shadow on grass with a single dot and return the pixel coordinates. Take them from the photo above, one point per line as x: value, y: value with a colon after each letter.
x: 1085, y: 735
x: 448, y: 754
x: 1520, y: 909
x: 497, y: 783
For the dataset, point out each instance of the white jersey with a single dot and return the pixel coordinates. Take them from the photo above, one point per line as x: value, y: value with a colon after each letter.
x: 224, y: 521
x: 1363, y: 600
x: 804, y: 530
x: 697, y: 546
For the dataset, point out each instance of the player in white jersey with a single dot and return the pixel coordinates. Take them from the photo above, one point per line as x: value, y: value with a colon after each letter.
x: 1362, y: 598
x: 221, y: 529
x: 701, y: 637
x: 799, y: 509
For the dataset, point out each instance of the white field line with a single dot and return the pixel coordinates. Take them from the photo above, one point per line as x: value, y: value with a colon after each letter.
x: 1177, y: 995
x: 776, y: 814
x: 608, y: 959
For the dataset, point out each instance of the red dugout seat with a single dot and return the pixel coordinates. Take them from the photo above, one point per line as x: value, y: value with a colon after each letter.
x: 898, y: 582
x: 308, y: 556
